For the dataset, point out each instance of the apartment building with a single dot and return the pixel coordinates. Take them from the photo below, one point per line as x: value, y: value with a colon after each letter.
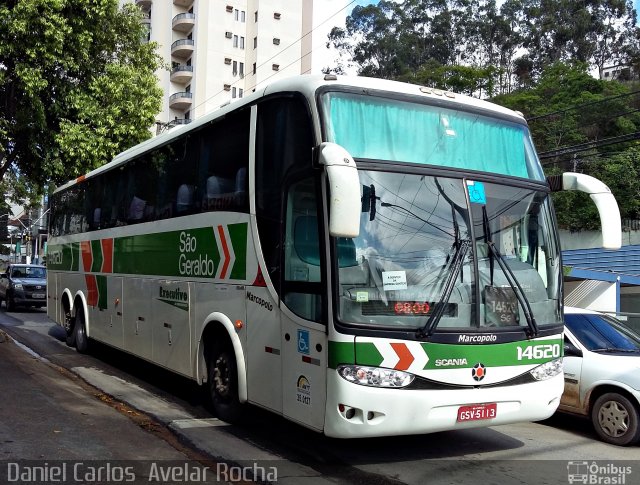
x: 220, y: 50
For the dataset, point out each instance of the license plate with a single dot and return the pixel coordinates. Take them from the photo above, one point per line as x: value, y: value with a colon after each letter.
x: 38, y: 295
x: 477, y: 412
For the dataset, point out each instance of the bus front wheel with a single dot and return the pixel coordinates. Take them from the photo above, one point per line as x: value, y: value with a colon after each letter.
x: 223, y: 383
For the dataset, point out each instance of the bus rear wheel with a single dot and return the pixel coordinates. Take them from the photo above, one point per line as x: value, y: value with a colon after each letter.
x: 222, y: 383
x: 80, y: 333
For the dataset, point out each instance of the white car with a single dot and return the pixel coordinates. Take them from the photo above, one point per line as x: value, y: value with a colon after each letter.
x: 602, y: 374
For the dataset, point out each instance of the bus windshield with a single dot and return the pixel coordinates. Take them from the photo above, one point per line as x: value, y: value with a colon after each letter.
x: 394, y: 130
x: 424, y: 239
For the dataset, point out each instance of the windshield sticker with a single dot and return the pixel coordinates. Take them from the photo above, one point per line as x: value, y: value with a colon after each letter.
x: 476, y: 192
x: 362, y: 296
x: 394, y: 280
x: 501, y: 306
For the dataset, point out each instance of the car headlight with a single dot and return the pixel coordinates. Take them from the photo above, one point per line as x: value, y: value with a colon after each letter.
x: 17, y: 286
x: 547, y: 370
x: 375, y: 376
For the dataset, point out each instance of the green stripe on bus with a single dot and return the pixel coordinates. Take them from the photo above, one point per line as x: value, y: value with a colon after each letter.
x: 102, y: 292
x: 96, y: 253
x: 340, y: 353
x: 65, y: 257
x: 368, y: 354
x: 189, y: 253
x: 238, y: 235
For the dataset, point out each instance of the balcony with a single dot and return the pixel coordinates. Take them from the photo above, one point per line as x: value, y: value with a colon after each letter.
x: 181, y: 100
x: 146, y: 18
x: 181, y: 73
x: 183, y: 48
x: 144, y: 4
x: 183, y: 3
x: 177, y: 122
x: 183, y: 22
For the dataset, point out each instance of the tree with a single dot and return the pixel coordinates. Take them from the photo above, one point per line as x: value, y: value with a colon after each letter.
x: 77, y: 86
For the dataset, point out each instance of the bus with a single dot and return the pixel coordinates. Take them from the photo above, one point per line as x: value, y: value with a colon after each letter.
x: 361, y: 256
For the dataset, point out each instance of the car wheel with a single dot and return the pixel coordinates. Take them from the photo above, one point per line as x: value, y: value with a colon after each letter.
x: 80, y: 332
x: 616, y: 419
x: 223, y: 383
x: 11, y: 304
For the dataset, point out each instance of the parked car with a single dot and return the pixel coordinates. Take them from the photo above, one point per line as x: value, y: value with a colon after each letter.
x: 23, y: 285
x: 602, y: 374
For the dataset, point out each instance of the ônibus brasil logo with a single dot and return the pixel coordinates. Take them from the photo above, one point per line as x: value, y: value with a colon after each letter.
x: 478, y: 372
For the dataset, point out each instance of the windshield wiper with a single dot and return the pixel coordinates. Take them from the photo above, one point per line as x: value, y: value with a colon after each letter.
x: 608, y: 350
x: 456, y: 266
x: 511, y: 278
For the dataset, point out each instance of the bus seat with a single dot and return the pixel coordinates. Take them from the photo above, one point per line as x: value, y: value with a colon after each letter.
x: 217, y: 186
x: 184, y: 198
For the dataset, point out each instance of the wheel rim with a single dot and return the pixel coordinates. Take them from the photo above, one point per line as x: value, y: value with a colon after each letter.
x: 613, y: 419
x: 221, y: 379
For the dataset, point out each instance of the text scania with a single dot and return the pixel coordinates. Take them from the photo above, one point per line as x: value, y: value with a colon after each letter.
x: 476, y: 339
x: 450, y: 362
x: 536, y: 352
x: 190, y: 264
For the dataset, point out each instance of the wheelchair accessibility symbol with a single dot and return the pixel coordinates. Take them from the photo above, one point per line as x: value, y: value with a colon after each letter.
x: 476, y: 192
x: 303, y: 341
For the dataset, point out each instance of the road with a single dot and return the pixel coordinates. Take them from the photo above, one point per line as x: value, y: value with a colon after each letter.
x: 533, y: 453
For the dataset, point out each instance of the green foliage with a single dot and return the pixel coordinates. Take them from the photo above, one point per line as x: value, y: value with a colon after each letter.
x: 77, y: 86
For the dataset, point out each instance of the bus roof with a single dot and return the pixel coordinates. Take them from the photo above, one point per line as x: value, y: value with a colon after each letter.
x: 307, y: 85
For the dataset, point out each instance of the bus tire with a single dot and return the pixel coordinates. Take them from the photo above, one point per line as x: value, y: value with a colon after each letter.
x: 69, y: 327
x: 222, y: 383
x: 616, y: 419
x: 80, y: 333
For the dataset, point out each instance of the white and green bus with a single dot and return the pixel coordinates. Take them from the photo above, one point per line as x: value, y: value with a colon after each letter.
x: 360, y: 256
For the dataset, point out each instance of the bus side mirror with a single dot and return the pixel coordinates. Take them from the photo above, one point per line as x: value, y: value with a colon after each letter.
x: 344, y: 190
x: 601, y: 196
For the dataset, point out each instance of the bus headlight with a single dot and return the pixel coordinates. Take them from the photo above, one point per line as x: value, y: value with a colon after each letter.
x: 547, y: 370
x: 375, y: 376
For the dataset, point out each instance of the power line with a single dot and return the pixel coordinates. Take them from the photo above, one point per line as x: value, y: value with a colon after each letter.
x: 605, y: 100
x: 590, y: 145
x: 280, y: 52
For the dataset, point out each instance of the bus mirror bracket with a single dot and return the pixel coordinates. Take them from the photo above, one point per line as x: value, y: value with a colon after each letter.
x: 344, y: 190
x: 601, y: 196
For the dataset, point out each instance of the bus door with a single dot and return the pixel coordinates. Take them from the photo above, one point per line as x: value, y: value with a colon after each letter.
x: 137, y: 323
x: 107, y: 314
x: 304, y: 337
x: 171, y: 309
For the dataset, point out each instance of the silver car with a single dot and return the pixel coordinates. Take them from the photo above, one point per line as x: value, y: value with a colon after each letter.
x: 24, y: 285
x: 602, y: 374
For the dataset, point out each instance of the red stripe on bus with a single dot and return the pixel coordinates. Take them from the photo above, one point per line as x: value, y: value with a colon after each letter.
x: 225, y: 250
x: 92, y: 290
x: 405, y: 355
x: 107, y: 255
x: 87, y: 257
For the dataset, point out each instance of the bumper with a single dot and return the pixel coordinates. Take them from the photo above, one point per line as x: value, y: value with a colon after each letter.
x: 387, y: 412
x: 22, y: 299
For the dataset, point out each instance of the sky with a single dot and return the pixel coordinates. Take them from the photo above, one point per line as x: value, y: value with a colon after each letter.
x: 326, y: 15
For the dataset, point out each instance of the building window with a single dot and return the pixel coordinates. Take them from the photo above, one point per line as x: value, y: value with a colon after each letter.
x: 187, y: 115
x: 254, y: 68
x: 241, y: 42
x: 276, y: 41
x: 241, y: 70
x: 236, y: 14
x: 235, y: 67
x: 275, y: 67
x: 233, y: 92
x: 235, y: 41
x: 240, y: 92
x: 255, y: 16
x: 242, y: 16
x: 255, y: 42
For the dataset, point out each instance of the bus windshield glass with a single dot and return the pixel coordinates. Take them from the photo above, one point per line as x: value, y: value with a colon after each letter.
x: 389, y: 129
x: 425, y: 241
